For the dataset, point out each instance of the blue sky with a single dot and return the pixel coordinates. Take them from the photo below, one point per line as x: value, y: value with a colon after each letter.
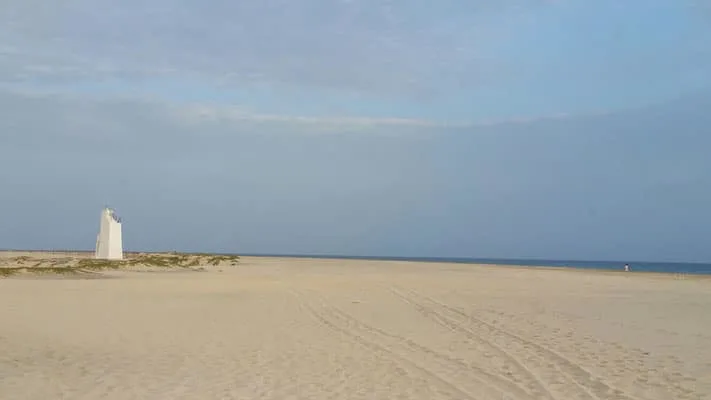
x: 517, y: 128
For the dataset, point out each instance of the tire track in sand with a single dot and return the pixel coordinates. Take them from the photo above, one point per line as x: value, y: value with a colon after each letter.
x: 332, y: 321
x: 518, y: 372
x: 496, y: 386
x: 588, y: 386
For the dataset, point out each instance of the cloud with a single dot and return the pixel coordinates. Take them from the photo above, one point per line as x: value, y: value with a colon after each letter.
x: 82, y: 115
x: 458, y: 61
x: 631, y: 185
x: 206, y: 114
x: 202, y: 114
x: 388, y: 46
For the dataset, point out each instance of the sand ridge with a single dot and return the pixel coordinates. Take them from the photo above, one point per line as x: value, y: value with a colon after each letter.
x: 279, y: 328
x: 83, y: 264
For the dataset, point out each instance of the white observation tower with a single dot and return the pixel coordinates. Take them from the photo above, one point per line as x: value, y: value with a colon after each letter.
x: 109, y: 245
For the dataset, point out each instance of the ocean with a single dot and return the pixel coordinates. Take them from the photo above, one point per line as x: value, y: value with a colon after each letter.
x: 638, y: 266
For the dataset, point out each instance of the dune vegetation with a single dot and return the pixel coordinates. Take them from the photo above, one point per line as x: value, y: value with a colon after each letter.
x: 73, y: 264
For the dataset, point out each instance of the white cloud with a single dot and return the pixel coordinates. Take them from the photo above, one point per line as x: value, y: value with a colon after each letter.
x: 40, y: 114
x: 206, y: 114
x: 387, y: 46
x: 197, y: 113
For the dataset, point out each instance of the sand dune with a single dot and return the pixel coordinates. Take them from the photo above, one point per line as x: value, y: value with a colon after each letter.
x: 327, y: 329
x: 78, y: 264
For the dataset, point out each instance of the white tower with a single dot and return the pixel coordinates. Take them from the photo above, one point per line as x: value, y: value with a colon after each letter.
x: 109, y: 245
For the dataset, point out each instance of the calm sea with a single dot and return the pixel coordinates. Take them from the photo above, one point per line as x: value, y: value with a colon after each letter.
x: 663, y: 267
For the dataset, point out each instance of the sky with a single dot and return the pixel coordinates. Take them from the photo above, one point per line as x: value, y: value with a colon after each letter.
x: 554, y: 129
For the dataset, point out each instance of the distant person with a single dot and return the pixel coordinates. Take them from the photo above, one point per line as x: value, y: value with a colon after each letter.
x: 627, y: 268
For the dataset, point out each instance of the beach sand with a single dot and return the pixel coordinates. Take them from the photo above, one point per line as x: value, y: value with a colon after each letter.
x: 274, y: 328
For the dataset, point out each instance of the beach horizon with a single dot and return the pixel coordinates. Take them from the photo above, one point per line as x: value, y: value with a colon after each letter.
x: 663, y: 268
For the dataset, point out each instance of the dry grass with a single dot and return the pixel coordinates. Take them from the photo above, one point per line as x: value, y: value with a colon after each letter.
x: 59, y: 264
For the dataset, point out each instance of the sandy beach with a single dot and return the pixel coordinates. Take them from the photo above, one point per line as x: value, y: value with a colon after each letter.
x: 272, y: 328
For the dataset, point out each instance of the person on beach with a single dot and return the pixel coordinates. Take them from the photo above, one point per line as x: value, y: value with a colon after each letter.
x: 627, y: 268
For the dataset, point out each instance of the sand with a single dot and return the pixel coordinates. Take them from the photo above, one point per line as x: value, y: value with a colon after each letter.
x: 275, y: 328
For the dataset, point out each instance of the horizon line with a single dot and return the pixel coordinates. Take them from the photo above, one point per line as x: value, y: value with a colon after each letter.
x: 462, y: 259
